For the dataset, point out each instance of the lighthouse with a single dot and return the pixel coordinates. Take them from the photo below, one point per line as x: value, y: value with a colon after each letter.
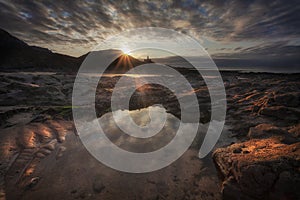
x: 148, y: 60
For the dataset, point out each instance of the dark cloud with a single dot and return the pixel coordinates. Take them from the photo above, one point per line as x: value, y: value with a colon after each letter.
x: 275, y: 50
x: 79, y: 25
x: 280, y: 56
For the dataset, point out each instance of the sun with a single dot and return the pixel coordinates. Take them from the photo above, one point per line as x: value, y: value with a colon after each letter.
x: 125, y: 50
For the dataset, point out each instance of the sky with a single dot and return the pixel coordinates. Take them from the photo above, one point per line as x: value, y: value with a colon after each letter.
x: 263, y: 31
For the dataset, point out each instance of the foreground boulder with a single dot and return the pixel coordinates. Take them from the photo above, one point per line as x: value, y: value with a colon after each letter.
x: 260, y: 169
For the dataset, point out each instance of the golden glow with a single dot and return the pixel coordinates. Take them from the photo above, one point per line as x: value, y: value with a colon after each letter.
x: 125, y: 50
x: 29, y: 170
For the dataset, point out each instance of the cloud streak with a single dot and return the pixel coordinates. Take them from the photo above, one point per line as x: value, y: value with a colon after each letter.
x: 75, y: 27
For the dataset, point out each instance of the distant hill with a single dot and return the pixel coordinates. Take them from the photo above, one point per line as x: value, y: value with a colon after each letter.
x: 123, y: 64
x: 16, y: 55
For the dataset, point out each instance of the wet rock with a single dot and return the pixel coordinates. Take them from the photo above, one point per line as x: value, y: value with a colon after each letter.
x: 262, y: 171
x: 33, y: 182
x: 295, y: 130
x: 40, y: 155
x: 41, y: 118
x: 268, y: 130
x: 291, y: 99
x: 73, y: 191
x: 265, y: 131
x: 238, y: 150
x: 51, y: 145
x: 231, y: 190
x: 284, y: 187
x: 60, y: 152
x: 98, y: 186
x: 281, y: 112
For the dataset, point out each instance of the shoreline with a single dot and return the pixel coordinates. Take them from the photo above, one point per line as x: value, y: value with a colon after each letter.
x: 257, y: 113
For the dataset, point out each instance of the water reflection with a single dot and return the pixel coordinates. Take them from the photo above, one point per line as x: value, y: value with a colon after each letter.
x: 141, y: 118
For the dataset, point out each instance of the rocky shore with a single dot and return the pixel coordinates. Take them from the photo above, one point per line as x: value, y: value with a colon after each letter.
x: 264, y: 113
x: 257, y: 156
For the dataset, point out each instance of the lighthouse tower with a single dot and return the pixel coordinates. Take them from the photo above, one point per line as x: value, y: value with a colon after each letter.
x: 148, y: 60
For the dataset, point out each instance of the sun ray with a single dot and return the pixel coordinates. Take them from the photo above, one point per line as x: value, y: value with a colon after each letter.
x: 125, y: 50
